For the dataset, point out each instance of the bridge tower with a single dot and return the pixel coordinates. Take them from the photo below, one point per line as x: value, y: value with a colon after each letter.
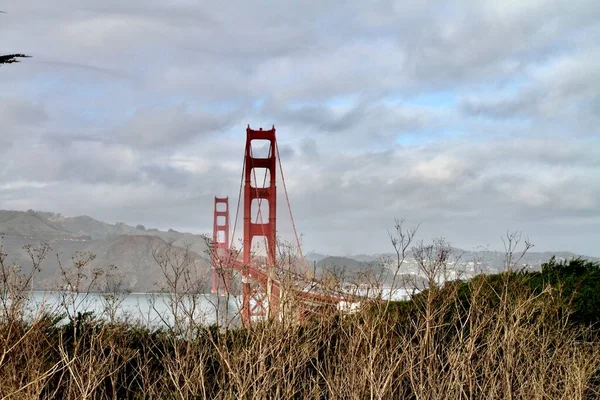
x: 221, y: 274
x: 260, y: 301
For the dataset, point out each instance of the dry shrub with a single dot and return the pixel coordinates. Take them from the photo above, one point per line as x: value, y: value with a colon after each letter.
x: 491, y: 337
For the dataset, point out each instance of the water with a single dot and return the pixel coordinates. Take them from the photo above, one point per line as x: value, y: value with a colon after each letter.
x: 158, y: 310
x: 146, y: 309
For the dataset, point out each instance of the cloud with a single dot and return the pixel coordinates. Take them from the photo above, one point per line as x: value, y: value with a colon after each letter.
x: 561, y: 88
x: 171, y: 126
x: 16, y: 112
x: 471, y: 117
x: 440, y: 168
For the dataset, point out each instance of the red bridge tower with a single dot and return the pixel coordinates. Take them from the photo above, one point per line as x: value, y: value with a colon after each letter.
x: 262, y: 290
x: 220, y: 251
x: 260, y: 301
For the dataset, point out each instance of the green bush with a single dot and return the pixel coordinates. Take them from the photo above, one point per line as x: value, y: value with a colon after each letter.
x: 577, y: 282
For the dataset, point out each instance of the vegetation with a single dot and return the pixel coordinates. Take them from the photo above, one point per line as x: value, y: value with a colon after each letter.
x: 516, y: 335
x: 11, y: 58
x: 577, y: 283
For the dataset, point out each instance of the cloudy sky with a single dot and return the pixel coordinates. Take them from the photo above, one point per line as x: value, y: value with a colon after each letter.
x: 471, y: 118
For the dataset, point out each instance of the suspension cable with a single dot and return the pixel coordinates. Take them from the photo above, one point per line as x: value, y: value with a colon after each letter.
x: 287, y: 198
x: 316, y: 283
x: 237, y: 212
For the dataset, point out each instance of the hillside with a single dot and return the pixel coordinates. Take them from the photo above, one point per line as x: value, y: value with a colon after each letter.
x: 84, y: 225
x: 129, y: 248
x: 30, y: 224
x: 462, y: 264
x: 349, y: 264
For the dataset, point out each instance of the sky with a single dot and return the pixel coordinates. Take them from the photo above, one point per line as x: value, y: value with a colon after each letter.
x: 470, y: 118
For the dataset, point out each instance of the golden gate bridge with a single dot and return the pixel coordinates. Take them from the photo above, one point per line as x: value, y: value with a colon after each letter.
x: 272, y: 288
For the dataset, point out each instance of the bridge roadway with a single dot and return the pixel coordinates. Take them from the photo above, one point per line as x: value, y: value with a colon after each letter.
x: 312, y: 295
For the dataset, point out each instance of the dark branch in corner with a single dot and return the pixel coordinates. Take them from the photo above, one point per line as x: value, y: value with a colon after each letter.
x: 11, y: 58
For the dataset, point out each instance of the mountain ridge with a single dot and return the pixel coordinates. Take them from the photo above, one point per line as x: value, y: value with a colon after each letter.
x: 130, y: 248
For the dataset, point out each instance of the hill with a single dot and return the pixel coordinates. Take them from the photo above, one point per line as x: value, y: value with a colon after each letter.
x: 129, y: 248
x: 30, y: 224
x: 84, y: 225
x: 462, y: 264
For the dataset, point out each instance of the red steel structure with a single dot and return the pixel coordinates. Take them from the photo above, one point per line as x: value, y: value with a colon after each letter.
x: 261, y: 288
x: 220, y: 251
x: 259, y: 301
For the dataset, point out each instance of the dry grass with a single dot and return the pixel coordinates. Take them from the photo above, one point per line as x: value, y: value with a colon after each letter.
x: 489, y: 338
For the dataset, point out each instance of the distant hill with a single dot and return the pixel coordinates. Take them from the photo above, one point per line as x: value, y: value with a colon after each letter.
x: 84, y: 225
x: 462, y: 263
x: 127, y: 247
x: 30, y: 224
x: 134, y: 254
x: 312, y: 256
x: 349, y: 264
x: 366, y: 257
x: 130, y: 249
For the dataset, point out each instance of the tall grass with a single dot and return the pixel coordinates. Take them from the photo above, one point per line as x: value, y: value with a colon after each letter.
x: 491, y: 337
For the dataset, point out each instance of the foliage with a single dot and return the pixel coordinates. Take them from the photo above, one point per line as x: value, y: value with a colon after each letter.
x: 499, y: 336
x: 11, y: 58
x: 577, y: 283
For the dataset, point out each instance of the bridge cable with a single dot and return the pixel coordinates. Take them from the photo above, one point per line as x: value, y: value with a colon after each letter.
x: 237, y: 212
x: 259, y: 216
x: 287, y: 198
